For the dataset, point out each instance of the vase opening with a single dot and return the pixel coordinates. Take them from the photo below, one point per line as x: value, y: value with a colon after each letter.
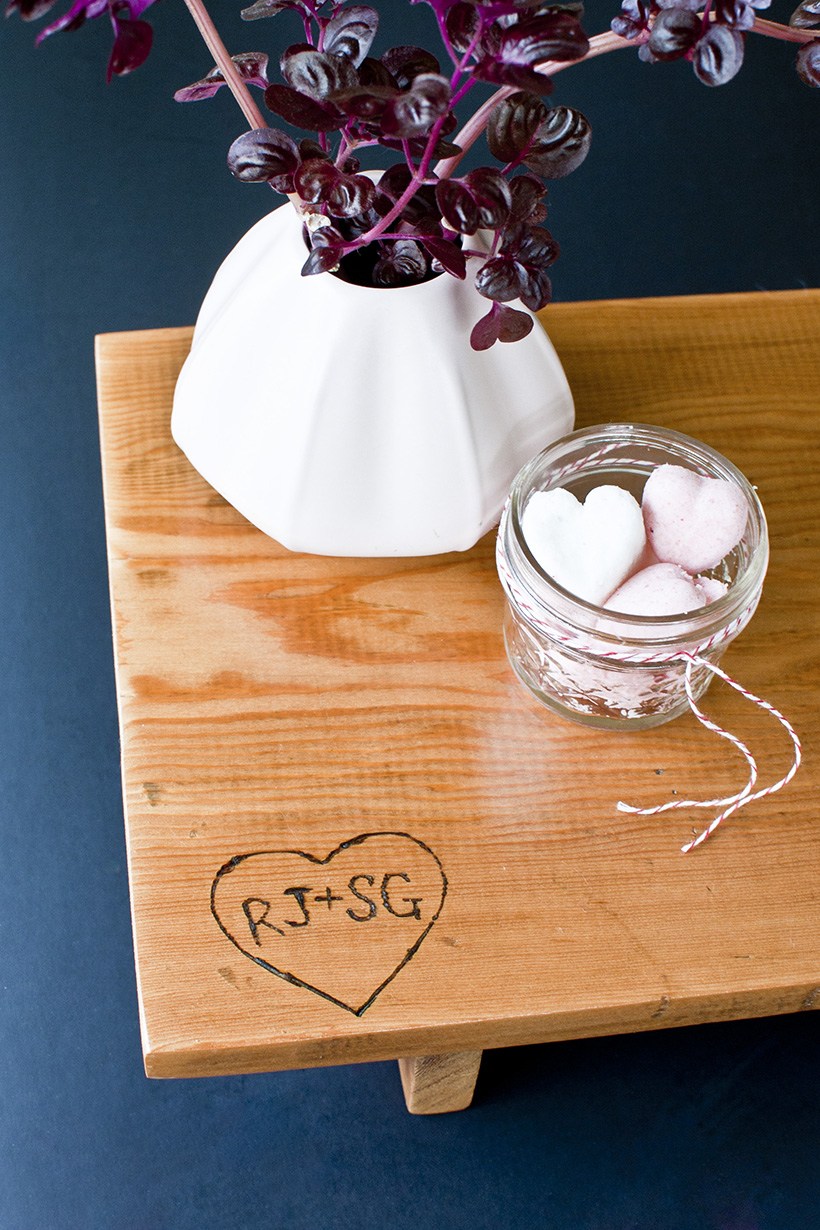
x: 366, y: 267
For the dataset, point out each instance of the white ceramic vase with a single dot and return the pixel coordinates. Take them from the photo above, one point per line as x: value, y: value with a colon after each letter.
x: 345, y: 420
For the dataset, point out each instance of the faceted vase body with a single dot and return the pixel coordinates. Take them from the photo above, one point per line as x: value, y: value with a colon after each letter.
x: 347, y: 420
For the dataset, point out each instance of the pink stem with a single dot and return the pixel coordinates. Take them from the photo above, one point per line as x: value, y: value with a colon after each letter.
x: 789, y: 34
x: 225, y: 64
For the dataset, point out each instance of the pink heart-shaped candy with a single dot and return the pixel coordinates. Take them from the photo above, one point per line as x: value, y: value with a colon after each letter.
x: 692, y: 520
x: 662, y: 589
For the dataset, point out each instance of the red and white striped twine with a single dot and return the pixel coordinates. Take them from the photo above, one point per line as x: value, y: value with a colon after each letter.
x: 733, y: 802
x: 692, y: 657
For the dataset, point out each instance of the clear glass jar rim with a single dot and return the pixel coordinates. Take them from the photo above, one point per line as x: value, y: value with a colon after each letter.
x: 645, y: 631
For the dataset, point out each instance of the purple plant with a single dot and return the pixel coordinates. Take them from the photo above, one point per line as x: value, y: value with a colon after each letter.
x: 132, y: 36
x: 422, y: 218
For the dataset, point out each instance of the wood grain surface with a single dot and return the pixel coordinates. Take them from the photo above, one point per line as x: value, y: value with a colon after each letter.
x: 280, y: 711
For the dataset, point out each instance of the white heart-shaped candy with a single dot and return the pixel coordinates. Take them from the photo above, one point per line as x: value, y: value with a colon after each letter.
x: 692, y: 520
x: 587, y: 548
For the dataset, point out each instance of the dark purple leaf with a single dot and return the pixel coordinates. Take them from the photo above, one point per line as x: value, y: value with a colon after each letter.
x: 315, y: 179
x: 516, y: 75
x: 646, y: 55
x: 132, y: 37
x: 417, y: 147
x: 325, y: 236
x: 533, y: 249
x: 806, y: 16
x: 624, y: 28
x: 560, y: 143
x: 553, y: 36
x: 632, y: 20
x: 29, y: 10
x: 532, y: 245
x: 353, y: 195
x: 446, y: 149
x: 308, y: 148
x: 501, y: 324
x: 462, y: 24
x: 527, y: 194
x: 448, y: 255
x: 421, y: 211
x: 501, y: 278
x: 519, y: 271
x: 512, y: 324
x: 319, y: 182
x: 303, y: 112
x: 366, y: 103
x: 674, y: 33
x: 485, y: 331
x: 808, y: 63
x: 538, y: 291
x: 73, y: 18
x: 491, y: 194
x: 293, y: 50
x: 264, y: 154
x: 266, y: 8
x: 350, y: 32
x: 413, y: 112
x: 135, y: 8
x: 513, y: 123
x: 132, y: 44
x: 738, y: 14
x: 718, y: 56
x: 373, y: 73
x: 253, y: 69
x: 458, y: 206
x: 394, y: 182
x: 511, y: 53
x: 324, y: 259
x: 318, y: 75
x: 401, y: 263
x: 405, y: 64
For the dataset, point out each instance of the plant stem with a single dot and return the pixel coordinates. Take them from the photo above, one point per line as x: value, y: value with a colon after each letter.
x: 418, y: 177
x: 789, y: 34
x: 225, y: 64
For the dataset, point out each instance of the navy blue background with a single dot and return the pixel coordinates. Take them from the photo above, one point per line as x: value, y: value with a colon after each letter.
x: 115, y: 210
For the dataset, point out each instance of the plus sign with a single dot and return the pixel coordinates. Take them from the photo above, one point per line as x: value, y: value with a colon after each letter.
x: 327, y: 896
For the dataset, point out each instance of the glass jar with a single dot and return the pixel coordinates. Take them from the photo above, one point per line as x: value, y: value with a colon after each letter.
x: 604, y: 668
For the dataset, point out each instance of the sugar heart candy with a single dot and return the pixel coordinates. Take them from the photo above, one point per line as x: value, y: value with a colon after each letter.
x: 587, y: 548
x: 661, y: 589
x: 690, y: 519
x: 711, y: 588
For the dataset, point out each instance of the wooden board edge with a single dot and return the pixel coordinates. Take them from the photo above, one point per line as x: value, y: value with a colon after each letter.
x: 174, y: 1060
x: 674, y: 303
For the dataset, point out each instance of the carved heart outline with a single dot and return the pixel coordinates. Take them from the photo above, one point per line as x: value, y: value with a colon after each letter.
x: 343, y: 846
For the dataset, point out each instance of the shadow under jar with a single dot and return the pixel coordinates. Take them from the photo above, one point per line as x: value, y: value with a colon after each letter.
x: 603, y: 668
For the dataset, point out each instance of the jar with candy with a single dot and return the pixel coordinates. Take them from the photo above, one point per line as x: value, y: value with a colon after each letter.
x: 631, y: 556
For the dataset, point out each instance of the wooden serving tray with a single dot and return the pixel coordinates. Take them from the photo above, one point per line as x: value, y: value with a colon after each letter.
x: 352, y: 835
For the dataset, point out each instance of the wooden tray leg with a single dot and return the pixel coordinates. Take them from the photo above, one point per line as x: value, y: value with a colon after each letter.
x: 435, y: 1084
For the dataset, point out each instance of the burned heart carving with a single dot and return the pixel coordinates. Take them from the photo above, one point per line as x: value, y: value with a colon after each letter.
x: 342, y: 926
